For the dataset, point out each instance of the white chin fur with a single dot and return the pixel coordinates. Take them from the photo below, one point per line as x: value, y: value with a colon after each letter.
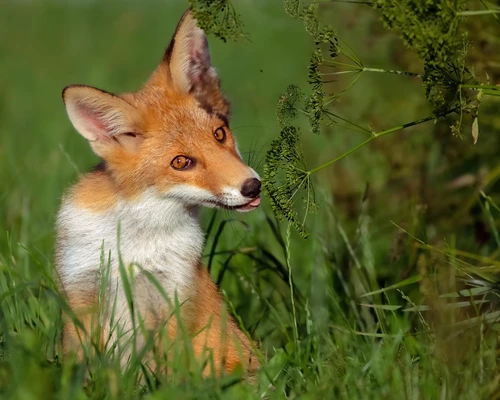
x: 232, y: 197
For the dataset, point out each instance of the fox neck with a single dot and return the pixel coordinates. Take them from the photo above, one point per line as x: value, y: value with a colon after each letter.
x: 162, y: 235
x: 157, y: 231
x: 169, y: 216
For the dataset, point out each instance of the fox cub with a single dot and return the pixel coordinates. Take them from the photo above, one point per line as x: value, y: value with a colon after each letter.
x: 166, y: 150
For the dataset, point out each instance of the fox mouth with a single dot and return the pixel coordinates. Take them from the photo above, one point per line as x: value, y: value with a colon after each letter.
x: 249, y: 206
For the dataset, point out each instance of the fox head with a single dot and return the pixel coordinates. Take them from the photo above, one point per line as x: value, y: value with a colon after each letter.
x: 171, y: 136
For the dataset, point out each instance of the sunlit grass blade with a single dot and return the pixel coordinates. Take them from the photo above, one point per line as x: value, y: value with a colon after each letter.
x: 406, y: 282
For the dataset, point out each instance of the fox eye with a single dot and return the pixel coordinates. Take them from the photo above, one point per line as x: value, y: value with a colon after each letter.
x: 220, y: 134
x: 181, y: 162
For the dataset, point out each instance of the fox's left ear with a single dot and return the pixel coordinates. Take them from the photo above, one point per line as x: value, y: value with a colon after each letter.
x: 188, y: 59
x: 105, y: 120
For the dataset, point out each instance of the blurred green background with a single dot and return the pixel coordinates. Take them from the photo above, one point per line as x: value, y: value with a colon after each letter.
x: 422, y: 179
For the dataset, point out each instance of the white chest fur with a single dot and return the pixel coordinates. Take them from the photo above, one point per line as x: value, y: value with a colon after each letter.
x: 163, y: 236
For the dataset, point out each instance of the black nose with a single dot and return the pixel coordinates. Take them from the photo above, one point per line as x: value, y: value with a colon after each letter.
x: 251, y: 188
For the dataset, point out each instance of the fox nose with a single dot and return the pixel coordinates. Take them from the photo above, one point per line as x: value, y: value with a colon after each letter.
x: 251, y: 187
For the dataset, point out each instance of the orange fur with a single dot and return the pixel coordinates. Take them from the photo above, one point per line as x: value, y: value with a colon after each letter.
x: 216, y: 339
x: 83, y: 194
x: 84, y: 304
x: 217, y: 331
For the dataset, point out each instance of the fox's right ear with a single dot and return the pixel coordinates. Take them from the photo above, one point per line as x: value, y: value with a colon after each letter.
x: 188, y: 57
x: 102, y: 118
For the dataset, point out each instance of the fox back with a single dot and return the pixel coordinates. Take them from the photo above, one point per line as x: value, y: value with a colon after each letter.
x: 166, y: 150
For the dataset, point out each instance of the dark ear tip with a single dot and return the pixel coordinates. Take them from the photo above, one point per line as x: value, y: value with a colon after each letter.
x: 63, y: 94
x: 187, y: 12
x: 66, y: 88
x: 168, y: 52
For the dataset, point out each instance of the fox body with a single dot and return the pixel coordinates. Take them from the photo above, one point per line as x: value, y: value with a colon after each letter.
x: 166, y: 150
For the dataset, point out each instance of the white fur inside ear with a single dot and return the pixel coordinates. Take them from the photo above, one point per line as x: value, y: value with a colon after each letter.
x: 190, y: 60
x: 92, y: 121
x: 97, y: 115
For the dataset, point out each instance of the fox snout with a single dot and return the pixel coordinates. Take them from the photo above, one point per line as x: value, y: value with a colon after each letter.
x: 250, y: 190
x: 242, y: 198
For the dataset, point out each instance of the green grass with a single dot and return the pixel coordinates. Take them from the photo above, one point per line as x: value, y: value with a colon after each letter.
x: 387, y: 218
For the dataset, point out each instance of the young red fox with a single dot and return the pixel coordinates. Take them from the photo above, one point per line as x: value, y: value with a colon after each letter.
x: 166, y: 150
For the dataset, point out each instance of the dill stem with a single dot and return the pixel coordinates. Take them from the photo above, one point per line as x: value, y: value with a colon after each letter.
x: 368, y: 3
x: 484, y: 3
x: 480, y: 87
x: 290, y: 282
x: 377, y: 135
x: 391, y: 71
x: 478, y: 12
x: 366, y: 69
x: 489, y: 90
x: 361, y: 129
x: 340, y: 72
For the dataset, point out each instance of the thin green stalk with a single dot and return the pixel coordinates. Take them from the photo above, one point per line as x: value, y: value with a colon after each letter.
x: 485, y: 207
x: 489, y: 200
x: 355, y: 71
x: 352, y: 54
x: 360, y: 128
x: 477, y: 12
x: 367, y: 3
x: 365, y: 69
x: 489, y: 90
x: 331, y: 63
x: 391, y: 71
x: 461, y: 110
x: 484, y: 3
x: 481, y: 87
x: 377, y: 135
x: 336, y: 96
x: 290, y: 281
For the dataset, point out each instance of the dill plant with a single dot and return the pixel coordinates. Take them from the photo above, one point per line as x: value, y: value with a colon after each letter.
x: 432, y: 29
x: 218, y: 17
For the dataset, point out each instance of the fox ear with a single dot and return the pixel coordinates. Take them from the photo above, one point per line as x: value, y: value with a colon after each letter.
x: 105, y: 120
x: 188, y: 58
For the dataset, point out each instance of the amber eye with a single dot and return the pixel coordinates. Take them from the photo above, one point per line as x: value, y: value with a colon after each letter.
x: 220, y: 134
x: 181, y: 162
